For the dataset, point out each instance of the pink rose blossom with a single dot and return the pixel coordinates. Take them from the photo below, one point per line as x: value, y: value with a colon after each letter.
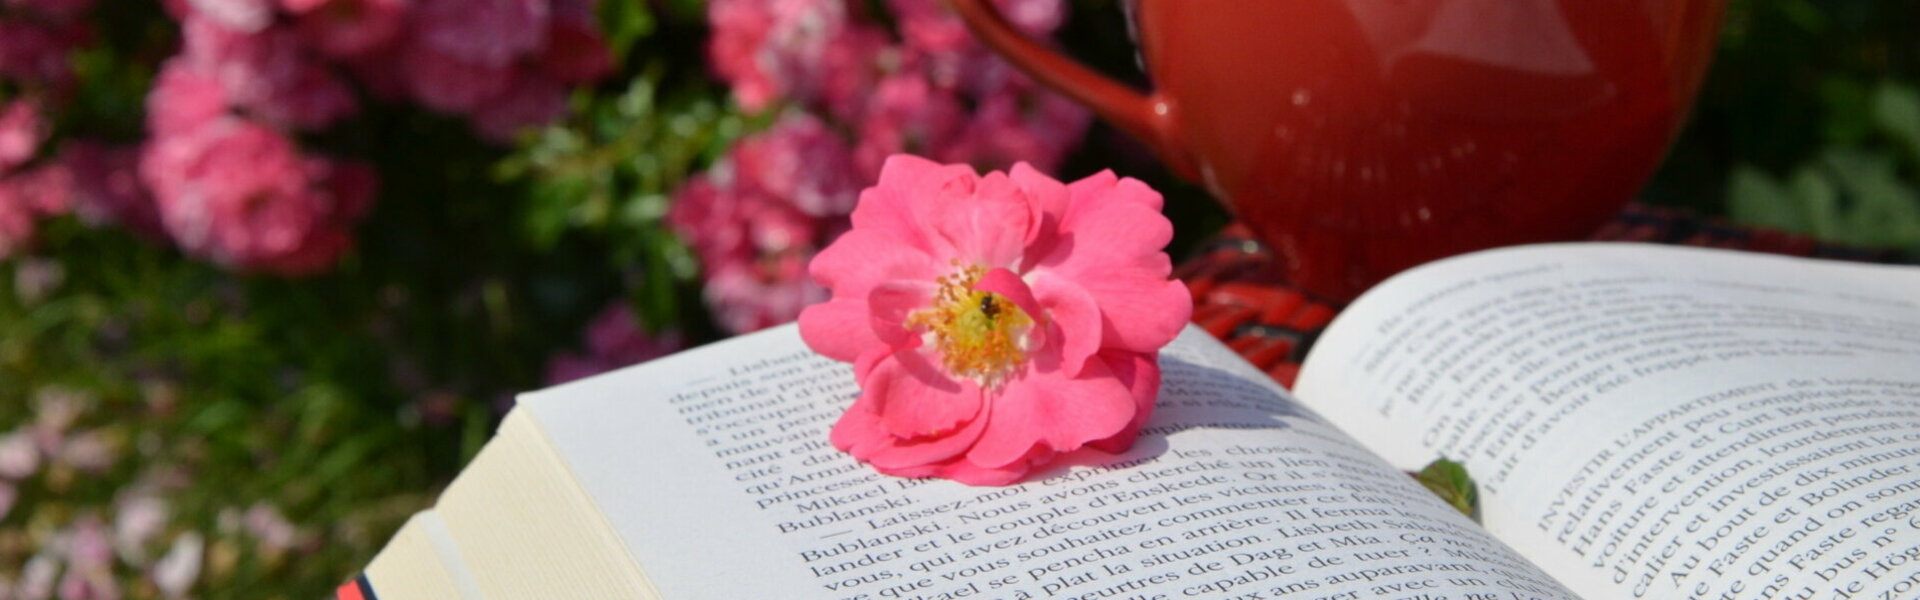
x: 739, y: 28
x: 753, y: 242
x: 808, y: 50
x: 240, y: 194
x: 348, y: 28
x: 907, y: 115
x: 245, y: 16
x: 488, y: 33
x: 183, y: 98
x: 995, y: 322
x: 269, y: 72
x: 444, y: 82
x: 802, y: 161
x: 614, y: 340
x: 44, y: 190
x: 21, y: 132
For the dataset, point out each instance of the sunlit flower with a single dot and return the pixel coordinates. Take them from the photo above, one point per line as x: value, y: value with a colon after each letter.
x: 995, y: 322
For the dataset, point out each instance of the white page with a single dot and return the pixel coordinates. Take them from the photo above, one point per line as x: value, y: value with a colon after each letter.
x: 1655, y: 421
x: 713, y: 466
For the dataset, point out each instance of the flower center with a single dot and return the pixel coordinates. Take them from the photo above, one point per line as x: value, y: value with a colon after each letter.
x: 980, y: 335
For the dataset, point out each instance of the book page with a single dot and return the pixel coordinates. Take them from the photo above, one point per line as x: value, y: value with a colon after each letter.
x: 715, y: 469
x: 1656, y: 422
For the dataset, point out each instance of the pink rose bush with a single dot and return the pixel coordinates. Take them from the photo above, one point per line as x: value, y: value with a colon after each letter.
x: 223, y: 173
x: 849, y: 93
x: 995, y: 322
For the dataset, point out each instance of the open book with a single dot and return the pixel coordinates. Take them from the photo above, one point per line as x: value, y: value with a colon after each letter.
x: 1645, y: 422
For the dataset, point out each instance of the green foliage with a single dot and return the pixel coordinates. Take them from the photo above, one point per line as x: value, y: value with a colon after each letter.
x: 1449, y: 481
x: 1809, y: 122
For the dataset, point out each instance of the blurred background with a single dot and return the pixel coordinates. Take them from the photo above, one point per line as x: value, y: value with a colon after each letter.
x: 274, y: 269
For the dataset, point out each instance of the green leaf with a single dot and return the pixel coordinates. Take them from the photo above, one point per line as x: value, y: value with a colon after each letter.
x: 1885, y: 211
x: 1896, y: 109
x: 1818, y: 202
x: 1449, y: 480
x: 625, y: 23
x: 1756, y: 198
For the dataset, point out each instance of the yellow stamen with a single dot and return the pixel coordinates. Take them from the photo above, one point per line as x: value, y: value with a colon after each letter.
x: 979, y: 334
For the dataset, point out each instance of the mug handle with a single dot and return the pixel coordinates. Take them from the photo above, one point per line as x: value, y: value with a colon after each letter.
x: 1147, y: 117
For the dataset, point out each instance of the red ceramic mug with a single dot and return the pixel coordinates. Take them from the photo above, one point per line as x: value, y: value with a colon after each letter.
x: 1363, y: 137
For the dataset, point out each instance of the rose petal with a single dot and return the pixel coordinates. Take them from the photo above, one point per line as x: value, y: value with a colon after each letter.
x: 1140, y: 314
x: 1105, y: 185
x: 1048, y: 409
x: 985, y: 221
x: 1117, y: 236
x: 1075, y: 327
x: 889, y: 305
x: 1141, y: 374
x: 965, y: 471
x: 896, y: 203
x: 919, y: 404
x: 839, y: 329
x: 863, y: 258
x: 1049, y: 200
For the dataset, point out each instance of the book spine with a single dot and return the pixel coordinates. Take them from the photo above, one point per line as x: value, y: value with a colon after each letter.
x: 358, y: 589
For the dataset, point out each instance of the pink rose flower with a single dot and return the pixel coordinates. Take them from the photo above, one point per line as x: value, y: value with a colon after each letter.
x: 184, y: 97
x: 803, y: 161
x: 490, y: 33
x: 444, y: 82
x: 348, y: 28
x: 995, y: 322
x: 21, y: 131
x: 241, y: 194
x: 248, y: 16
x: 269, y: 72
